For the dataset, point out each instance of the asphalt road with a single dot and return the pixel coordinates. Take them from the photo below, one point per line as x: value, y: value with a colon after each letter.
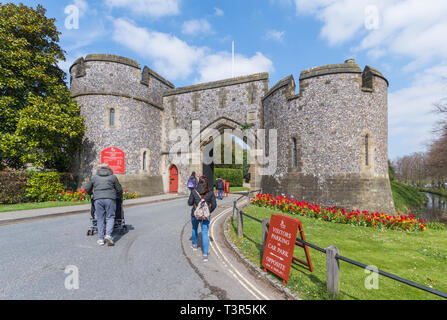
x: 146, y: 263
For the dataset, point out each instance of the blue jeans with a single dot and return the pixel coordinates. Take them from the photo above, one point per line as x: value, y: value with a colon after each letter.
x: 105, y: 210
x: 205, y: 239
x: 220, y: 194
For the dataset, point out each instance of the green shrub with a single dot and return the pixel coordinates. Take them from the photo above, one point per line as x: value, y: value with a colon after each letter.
x: 12, y: 186
x: 44, y: 186
x: 234, y: 176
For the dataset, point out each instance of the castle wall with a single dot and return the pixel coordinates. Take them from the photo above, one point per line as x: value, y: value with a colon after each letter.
x: 323, y: 155
x: 221, y: 104
x: 101, y: 83
x: 329, y: 119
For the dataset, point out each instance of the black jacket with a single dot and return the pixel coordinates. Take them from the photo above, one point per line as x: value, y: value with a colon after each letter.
x: 220, y: 184
x: 194, y: 199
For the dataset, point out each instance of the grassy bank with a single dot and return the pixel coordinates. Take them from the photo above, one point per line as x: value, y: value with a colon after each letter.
x: 420, y: 257
x: 406, y: 198
x: 438, y: 191
x: 39, y: 205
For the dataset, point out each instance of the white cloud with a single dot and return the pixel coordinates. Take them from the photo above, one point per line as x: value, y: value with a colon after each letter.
x: 82, y: 6
x: 218, y: 12
x: 410, y: 109
x: 194, y: 27
x: 218, y: 66
x: 176, y: 59
x: 275, y: 35
x: 151, y: 8
x: 411, y: 28
x: 173, y: 57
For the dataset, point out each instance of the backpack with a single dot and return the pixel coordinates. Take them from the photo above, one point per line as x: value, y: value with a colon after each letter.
x: 220, y: 185
x: 191, y: 182
x: 202, y: 211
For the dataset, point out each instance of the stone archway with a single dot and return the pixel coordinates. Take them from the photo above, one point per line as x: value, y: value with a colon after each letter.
x: 207, y: 148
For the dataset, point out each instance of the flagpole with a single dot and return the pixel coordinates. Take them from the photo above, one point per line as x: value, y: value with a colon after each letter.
x: 232, y: 59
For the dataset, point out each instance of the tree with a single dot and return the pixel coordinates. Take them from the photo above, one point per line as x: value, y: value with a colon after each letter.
x: 40, y: 122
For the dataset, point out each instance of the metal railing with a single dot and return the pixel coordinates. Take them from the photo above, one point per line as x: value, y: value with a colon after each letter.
x: 332, y: 259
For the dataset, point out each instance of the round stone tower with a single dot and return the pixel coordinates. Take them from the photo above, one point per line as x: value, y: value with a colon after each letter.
x: 123, y: 115
x: 332, y: 137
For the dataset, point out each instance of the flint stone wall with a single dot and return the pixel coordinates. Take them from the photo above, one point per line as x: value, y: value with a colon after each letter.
x: 329, y: 118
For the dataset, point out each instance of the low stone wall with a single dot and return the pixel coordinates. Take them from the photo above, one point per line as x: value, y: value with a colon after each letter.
x: 143, y: 184
x: 348, y: 191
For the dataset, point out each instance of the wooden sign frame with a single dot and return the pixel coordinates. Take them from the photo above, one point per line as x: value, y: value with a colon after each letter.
x: 280, y: 245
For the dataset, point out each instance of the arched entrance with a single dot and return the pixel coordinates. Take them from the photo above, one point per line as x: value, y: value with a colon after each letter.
x: 173, y: 179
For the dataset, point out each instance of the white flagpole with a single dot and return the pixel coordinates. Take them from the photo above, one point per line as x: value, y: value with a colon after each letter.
x: 232, y: 59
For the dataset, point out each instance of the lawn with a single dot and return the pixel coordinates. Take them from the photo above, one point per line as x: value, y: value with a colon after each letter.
x: 420, y: 257
x: 39, y: 205
x: 237, y: 189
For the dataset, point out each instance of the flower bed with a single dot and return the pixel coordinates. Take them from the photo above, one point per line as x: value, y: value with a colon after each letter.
x: 339, y: 215
x: 81, y: 195
x: 129, y: 195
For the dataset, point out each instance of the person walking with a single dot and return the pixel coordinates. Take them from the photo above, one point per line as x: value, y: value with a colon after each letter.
x: 195, y: 198
x: 220, y: 187
x: 105, y: 188
x: 192, y: 181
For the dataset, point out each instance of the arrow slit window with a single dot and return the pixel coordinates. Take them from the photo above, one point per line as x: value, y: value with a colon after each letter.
x: 112, y: 117
x: 366, y: 150
x: 295, y: 154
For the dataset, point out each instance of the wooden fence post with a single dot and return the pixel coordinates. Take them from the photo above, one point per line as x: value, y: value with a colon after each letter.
x: 332, y: 271
x: 240, y: 225
x: 265, y: 230
x: 234, y: 210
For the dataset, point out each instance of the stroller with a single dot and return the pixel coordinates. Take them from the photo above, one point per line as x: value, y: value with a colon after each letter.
x: 120, y: 224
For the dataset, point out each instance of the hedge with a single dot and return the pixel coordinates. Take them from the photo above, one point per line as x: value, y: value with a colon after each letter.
x: 18, y: 186
x: 12, y: 186
x: 234, y: 176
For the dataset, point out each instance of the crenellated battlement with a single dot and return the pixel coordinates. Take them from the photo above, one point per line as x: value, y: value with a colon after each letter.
x: 106, y: 74
x: 366, y: 79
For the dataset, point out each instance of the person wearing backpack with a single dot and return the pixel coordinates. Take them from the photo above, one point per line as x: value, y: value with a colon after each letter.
x: 203, y: 202
x: 192, y: 181
x: 220, y: 187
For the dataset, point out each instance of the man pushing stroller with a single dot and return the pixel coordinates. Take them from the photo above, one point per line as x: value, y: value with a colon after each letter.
x: 105, y: 188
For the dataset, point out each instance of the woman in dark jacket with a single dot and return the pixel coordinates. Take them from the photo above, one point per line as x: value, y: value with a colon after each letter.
x: 204, y: 192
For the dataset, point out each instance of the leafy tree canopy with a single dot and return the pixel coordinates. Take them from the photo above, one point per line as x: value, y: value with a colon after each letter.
x: 40, y: 122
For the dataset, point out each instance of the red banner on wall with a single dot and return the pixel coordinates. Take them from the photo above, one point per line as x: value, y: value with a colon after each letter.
x: 278, y: 252
x: 115, y: 158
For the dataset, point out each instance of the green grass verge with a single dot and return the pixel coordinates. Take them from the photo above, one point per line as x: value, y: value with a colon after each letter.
x: 406, y: 198
x: 39, y: 205
x: 420, y: 257
x: 237, y: 189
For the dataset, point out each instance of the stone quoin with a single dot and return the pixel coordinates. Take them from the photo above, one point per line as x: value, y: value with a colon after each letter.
x: 332, y: 145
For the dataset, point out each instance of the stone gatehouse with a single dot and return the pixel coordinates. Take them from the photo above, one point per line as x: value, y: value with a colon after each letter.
x: 332, y: 136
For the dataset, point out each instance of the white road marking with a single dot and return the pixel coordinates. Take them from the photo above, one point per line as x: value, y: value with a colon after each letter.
x: 239, y: 277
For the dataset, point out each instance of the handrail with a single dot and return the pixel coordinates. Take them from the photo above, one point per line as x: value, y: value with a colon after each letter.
x: 246, y: 194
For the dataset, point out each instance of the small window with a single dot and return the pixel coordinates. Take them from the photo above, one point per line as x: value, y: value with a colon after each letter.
x: 112, y: 117
x: 366, y: 150
x: 144, y: 160
x: 295, y: 153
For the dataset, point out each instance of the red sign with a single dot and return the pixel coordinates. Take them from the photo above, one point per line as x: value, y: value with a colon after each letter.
x: 114, y: 157
x: 278, y: 252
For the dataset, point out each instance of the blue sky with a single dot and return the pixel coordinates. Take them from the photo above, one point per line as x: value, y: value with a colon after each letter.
x: 189, y: 41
